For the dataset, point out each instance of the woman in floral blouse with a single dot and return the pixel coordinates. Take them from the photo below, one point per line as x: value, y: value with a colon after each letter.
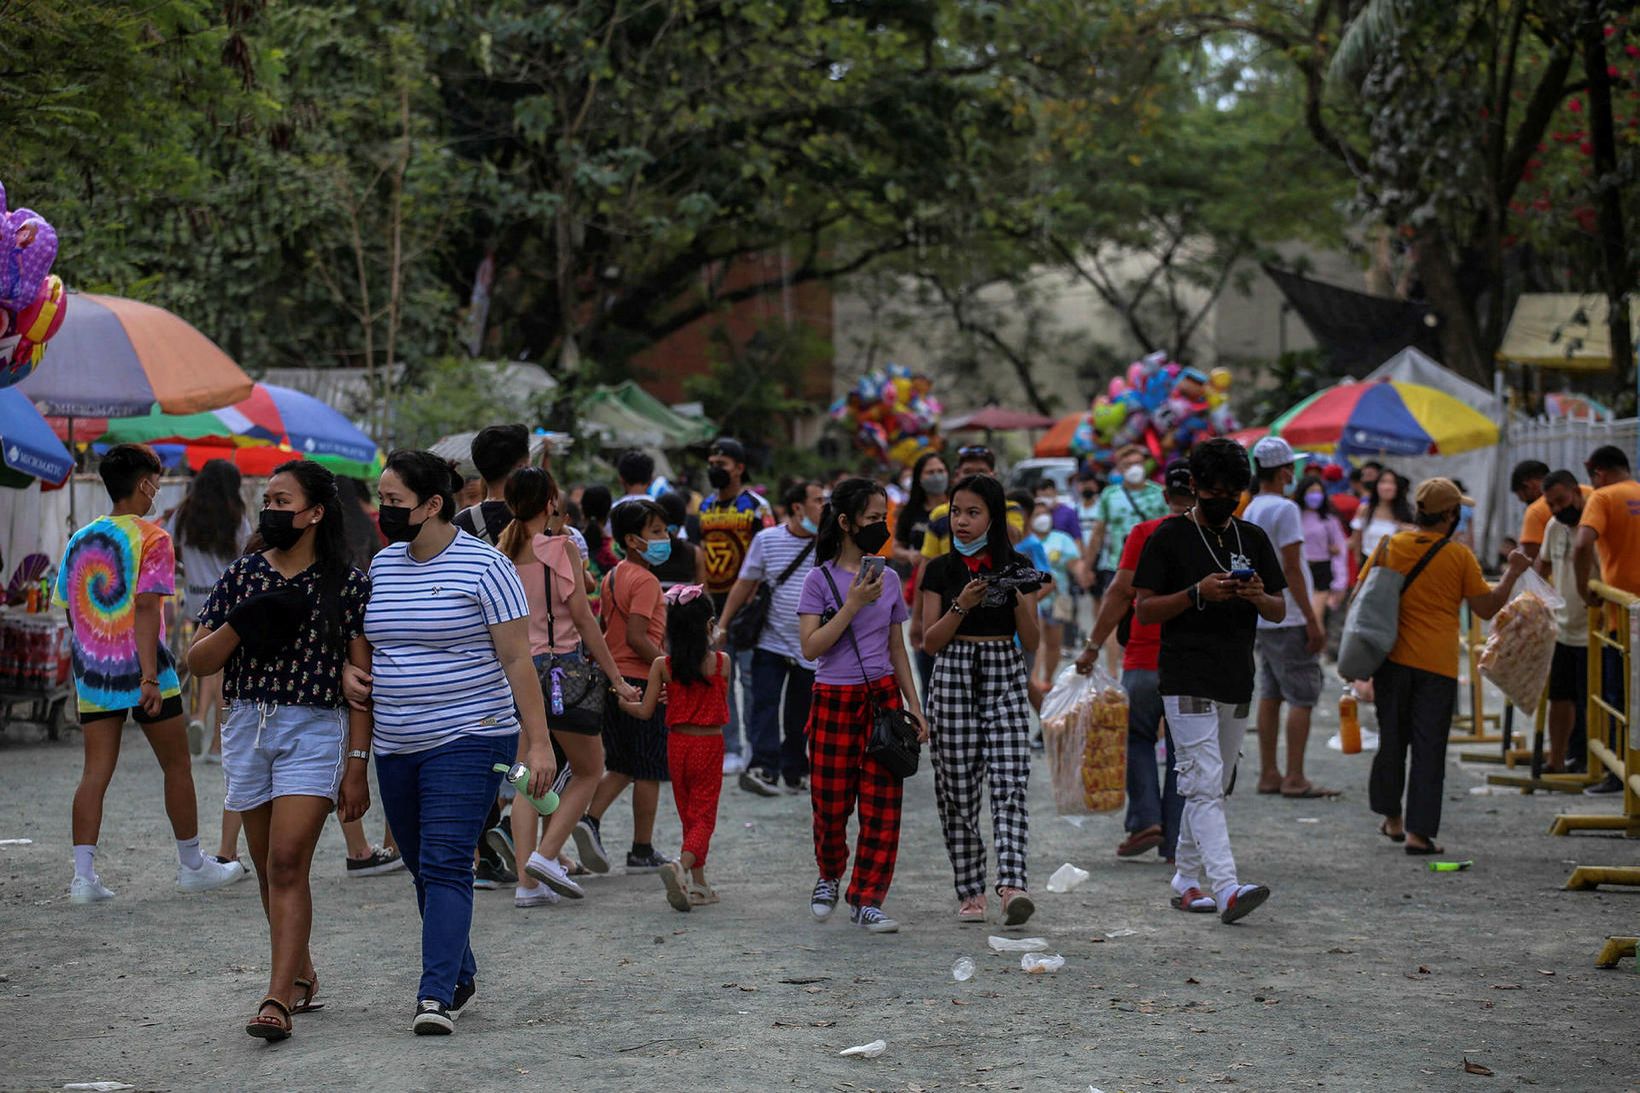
x: 280, y: 623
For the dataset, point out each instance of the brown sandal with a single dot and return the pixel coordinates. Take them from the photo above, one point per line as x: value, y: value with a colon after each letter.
x: 305, y: 1002
x: 270, y: 1027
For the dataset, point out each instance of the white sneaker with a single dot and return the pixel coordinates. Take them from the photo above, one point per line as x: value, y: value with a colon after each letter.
x: 88, y: 890
x: 210, y: 874
x: 551, y: 874
x: 538, y: 896
x: 733, y: 764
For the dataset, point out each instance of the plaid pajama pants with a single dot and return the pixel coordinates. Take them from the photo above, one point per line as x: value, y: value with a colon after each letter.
x: 979, y: 723
x: 841, y: 773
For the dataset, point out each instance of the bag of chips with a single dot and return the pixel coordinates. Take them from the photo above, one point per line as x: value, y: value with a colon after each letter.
x: 1517, y: 654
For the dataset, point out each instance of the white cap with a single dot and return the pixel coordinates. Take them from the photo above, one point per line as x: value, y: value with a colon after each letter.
x: 1272, y: 452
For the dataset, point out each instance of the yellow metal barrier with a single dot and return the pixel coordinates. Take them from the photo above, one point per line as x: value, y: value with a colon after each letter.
x: 1611, y: 730
x: 1480, y: 723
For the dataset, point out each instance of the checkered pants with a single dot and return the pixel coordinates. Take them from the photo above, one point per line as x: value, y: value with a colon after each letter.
x: 979, y: 723
x: 841, y: 773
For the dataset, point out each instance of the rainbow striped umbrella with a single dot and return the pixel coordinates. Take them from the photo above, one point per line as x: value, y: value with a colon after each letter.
x: 1385, y: 417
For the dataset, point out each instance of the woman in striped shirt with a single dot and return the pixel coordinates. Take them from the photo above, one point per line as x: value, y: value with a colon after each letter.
x: 448, y: 625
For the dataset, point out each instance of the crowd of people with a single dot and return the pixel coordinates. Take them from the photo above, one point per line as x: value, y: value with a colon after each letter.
x: 534, y: 642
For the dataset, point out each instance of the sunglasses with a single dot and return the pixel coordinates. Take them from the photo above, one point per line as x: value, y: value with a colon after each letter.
x: 974, y: 451
x: 683, y: 593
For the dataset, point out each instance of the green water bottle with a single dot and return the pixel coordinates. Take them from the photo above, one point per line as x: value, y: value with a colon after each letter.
x: 519, y: 775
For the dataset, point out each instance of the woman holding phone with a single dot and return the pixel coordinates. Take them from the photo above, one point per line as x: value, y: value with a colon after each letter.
x: 850, y: 620
x: 979, y: 707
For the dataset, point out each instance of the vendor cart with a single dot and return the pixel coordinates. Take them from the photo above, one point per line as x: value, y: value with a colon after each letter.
x: 36, y: 681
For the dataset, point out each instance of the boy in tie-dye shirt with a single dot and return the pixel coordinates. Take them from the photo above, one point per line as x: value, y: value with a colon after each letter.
x: 113, y: 580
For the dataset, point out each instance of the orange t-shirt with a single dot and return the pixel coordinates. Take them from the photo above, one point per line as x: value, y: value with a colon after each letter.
x: 1428, y: 636
x: 1538, y: 516
x: 1614, y: 514
x: 631, y: 589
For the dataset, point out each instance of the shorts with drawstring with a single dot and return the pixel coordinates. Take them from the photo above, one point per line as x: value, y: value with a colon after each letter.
x: 269, y: 751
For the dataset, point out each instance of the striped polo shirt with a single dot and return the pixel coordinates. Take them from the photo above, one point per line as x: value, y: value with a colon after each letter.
x: 436, y: 672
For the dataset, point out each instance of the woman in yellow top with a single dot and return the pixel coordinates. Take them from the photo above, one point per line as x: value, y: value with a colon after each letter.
x: 1418, y: 683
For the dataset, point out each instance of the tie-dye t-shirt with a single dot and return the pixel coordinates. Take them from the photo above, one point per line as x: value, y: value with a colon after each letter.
x: 107, y: 564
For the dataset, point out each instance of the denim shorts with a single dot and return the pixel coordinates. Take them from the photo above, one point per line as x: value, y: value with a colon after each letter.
x: 273, y: 751
x: 1287, y: 670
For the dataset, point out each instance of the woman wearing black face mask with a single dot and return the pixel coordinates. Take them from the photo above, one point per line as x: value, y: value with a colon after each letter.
x: 280, y: 624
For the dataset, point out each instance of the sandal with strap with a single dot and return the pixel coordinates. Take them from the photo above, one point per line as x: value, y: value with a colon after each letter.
x: 972, y: 910
x: 270, y: 1027
x: 304, y: 1002
x: 701, y: 894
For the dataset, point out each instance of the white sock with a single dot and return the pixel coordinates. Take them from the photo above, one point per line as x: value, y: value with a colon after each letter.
x: 83, y: 853
x: 188, y: 853
x: 1222, y: 896
x: 1182, y: 884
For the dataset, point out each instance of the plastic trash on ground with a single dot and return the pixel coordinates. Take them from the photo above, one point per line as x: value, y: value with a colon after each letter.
x: 963, y: 970
x: 1125, y: 931
x: 866, y: 1051
x: 1517, y: 654
x: 1084, y: 732
x: 1066, y: 877
x: 1037, y: 964
x: 100, y: 1087
x: 1017, y: 944
x: 21, y: 842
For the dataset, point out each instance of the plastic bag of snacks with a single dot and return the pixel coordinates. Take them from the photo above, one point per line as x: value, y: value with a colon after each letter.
x: 1517, y: 654
x: 1104, y: 750
x: 1063, y: 739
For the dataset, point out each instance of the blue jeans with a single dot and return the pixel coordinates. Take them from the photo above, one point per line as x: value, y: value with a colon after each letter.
x: 436, y: 802
x: 1151, y: 802
x: 740, y: 666
x: 774, y: 752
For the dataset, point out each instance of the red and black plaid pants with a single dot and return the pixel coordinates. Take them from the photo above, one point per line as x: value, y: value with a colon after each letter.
x: 841, y: 774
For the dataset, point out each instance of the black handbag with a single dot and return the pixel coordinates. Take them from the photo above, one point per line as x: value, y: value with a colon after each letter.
x: 893, y: 740
x: 581, y: 684
x: 747, y: 625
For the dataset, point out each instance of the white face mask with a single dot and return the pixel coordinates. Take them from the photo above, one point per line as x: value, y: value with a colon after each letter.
x: 1042, y: 524
x: 1134, y: 475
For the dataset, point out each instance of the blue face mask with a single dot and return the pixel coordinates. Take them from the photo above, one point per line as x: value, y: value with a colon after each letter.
x: 810, y: 526
x: 968, y: 550
x: 657, y: 551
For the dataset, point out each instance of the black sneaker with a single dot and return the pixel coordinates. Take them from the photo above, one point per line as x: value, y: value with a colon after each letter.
x: 499, y: 840
x: 490, y: 876
x: 798, y: 787
x: 379, y: 862
x: 1608, y: 784
x: 824, y: 900
x: 761, y: 782
x: 589, y: 846
x: 465, y: 993
x: 1036, y: 743
x: 432, y: 1019
x: 648, y: 862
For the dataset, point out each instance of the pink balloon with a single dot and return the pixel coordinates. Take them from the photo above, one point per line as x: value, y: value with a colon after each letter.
x: 1136, y: 374
x: 1117, y: 387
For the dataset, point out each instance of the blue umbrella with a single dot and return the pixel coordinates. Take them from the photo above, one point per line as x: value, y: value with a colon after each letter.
x: 27, y: 444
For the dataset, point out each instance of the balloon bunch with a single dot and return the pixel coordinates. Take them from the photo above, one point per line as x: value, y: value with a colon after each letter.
x: 1159, y: 405
x: 890, y: 415
x: 32, y: 298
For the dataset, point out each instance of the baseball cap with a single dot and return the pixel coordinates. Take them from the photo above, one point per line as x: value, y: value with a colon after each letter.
x: 1177, y: 478
x: 1440, y: 495
x: 1272, y: 452
x: 730, y: 447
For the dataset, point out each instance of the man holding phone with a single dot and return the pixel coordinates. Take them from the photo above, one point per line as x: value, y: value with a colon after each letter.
x: 1207, y: 578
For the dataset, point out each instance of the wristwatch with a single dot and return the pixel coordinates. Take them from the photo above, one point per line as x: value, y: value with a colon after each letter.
x: 960, y: 610
x: 359, y: 753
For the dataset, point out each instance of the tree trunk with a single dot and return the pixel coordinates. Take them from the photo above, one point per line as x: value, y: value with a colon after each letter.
x: 1461, y: 342
x: 1616, y: 274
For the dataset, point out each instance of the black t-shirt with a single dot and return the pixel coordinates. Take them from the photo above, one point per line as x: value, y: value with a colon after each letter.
x: 910, y: 526
x: 679, y: 567
x: 487, y: 520
x: 948, y: 575
x: 1207, y: 652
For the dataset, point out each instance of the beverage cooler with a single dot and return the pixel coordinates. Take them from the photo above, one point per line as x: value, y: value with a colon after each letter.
x: 36, y: 669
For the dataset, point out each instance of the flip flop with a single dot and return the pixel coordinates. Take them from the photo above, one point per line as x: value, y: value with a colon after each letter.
x: 305, y: 1002
x: 1269, y: 792
x: 1383, y: 829
x: 1424, y: 851
x: 1310, y: 792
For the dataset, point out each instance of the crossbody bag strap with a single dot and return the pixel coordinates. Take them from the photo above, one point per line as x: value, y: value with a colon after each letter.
x: 795, y: 562
x: 865, y: 677
x: 1429, y: 556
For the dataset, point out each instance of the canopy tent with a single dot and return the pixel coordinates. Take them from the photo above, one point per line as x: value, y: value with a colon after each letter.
x: 1413, y: 366
x: 627, y: 416
x: 1354, y: 328
x: 1564, y: 330
x: 994, y: 418
x: 458, y: 448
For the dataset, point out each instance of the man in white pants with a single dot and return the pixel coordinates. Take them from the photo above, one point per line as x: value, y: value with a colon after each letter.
x: 1207, y: 578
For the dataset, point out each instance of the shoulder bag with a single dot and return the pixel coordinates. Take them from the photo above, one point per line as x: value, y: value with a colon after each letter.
x: 579, y: 682
x: 747, y: 625
x: 893, y: 739
x: 1374, y: 617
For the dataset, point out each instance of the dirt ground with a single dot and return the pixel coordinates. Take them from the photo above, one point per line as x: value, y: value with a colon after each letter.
x: 1363, y: 972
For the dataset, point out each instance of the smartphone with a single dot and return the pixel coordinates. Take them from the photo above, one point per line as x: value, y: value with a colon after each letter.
x: 871, y: 568
x: 1242, y: 574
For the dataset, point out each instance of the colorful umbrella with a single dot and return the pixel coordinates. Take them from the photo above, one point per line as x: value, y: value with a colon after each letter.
x: 258, y: 433
x: 115, y: 357
x: 1057, y: 440
x: 1386, y: 417
x: 994, y: 418
x: 28, y: 447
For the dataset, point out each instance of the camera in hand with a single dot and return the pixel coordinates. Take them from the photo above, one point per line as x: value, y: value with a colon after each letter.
x: 1018, y: 577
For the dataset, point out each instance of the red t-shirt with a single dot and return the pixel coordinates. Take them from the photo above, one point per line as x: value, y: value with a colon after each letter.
x: 1144, y: 645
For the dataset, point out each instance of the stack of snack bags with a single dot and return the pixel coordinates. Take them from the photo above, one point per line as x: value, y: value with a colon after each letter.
x: 1517, y: 654
x: 1084, y: 732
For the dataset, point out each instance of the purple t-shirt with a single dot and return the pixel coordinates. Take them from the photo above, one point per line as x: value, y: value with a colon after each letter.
x: 870, y: 626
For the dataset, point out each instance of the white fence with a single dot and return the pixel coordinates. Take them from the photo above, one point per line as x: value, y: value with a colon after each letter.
x: 1563, y: 445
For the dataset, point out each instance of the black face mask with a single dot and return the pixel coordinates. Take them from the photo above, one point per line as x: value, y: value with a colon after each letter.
x: 717, y: 476
x: 871, y: 538
x: 1569, y: 516
x: 395, y: 523
x: 1089, y: 494
x: 1216, y: 510
x: 277, y: 527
